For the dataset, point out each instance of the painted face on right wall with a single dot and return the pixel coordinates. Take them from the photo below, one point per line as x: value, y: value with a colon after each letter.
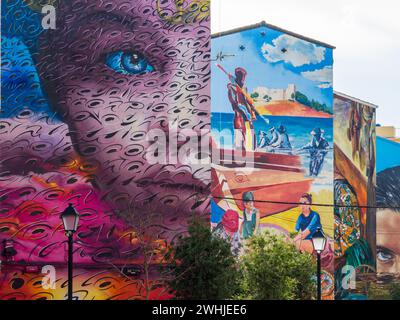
x: 388, y: 244
x: 388, y: 219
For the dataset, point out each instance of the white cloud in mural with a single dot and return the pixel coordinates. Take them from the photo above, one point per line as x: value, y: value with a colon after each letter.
x: 325, y: 85
x: 323, y: 76
x: 291, y: 50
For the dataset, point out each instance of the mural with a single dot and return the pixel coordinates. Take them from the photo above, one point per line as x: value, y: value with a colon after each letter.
x: 388, y: 212
x: 89, y: 284
x: 84, y: 101
x: 272, y: 132
x: 355, y: 179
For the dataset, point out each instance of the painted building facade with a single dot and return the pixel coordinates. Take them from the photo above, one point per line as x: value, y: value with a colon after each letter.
x: 354, y: 189
x: 273, y: 152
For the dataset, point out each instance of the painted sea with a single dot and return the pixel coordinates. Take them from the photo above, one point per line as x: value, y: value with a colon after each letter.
x: 298, y: 130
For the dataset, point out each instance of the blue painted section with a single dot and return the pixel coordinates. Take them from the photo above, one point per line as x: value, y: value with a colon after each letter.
x: 387, y: 154
x: 22, y: 92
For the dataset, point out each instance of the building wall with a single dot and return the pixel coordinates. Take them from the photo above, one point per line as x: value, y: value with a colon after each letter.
x: 79, y: 105
x: 386, y: 131
x: 278, y: 172
x: 355, y: 180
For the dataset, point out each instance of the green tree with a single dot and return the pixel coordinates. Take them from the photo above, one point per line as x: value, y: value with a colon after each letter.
x: 203, y: 266
x: 273, y: 269
x: 254, y: 95
x: 267, y: 98
x: 303, y: 99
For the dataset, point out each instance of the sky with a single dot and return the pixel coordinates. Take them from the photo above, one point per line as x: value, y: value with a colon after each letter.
x: 366, y: 34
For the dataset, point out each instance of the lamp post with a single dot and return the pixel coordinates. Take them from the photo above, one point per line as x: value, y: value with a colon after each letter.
x: 70, y: 219
x: 319, y: 242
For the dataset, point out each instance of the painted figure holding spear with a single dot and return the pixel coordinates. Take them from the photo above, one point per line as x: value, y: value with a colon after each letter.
x: 244, y: 111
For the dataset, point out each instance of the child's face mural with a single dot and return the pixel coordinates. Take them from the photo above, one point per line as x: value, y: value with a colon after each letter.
x: 248, y: 204
x: 117, y: 70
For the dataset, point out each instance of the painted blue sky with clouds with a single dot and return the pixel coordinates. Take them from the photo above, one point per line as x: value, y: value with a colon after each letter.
x: 259, y: 51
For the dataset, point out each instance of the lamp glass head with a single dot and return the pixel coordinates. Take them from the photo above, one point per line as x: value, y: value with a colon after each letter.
x: 319, y: 240
x: 70, y: 219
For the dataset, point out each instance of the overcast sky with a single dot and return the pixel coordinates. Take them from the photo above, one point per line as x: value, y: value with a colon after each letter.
x: 366, y: 34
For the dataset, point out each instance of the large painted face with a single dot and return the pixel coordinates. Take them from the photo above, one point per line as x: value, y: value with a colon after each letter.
x: 119, y: 70
x: 388, y: 245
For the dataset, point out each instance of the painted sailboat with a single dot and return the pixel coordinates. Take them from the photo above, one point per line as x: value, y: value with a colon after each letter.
x: 272, y: 177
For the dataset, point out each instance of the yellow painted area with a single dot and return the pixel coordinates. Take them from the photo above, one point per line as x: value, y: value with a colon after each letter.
x: 249, y: 137
x: 287, y: 219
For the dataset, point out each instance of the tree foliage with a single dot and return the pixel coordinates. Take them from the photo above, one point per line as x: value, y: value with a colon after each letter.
x: 203, y: 266
x: 254, y: 95
x: 273, y: 269
x: 303, y: 99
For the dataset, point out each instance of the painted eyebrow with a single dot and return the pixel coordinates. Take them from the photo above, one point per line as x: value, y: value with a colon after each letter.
x: 386, y: 250
x: 128, y: 21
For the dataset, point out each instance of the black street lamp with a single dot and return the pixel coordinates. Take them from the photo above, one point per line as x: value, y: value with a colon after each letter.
x: 319, y: 242
x: 70, y: 219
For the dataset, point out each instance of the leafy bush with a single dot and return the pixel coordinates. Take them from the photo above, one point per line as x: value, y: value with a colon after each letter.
x: 273, y: 269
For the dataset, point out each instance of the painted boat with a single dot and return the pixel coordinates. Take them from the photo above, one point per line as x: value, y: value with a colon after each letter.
x: 270, y: 176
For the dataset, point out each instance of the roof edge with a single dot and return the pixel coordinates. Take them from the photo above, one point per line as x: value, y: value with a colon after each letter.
x: 397, y: 144
x: 346, y: 96
x: 264, y: 24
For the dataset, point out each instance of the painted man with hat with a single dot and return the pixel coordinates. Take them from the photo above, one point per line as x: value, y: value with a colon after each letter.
x: 282, y: 139
x: 318, y: 148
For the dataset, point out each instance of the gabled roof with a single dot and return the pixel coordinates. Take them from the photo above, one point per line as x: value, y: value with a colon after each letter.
x: 343, y: 95
x: 270, y: 26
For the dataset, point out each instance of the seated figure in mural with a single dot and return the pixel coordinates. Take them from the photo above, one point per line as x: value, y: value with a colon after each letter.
x: 388, y: 222
x: 244, y: 112
x: 274, y: 135
x: 228, y: 229
x: 264, y: 141
x: 251, y: 216
x: 306, y: 225
x: 280, y: 140
x: 318, y: 148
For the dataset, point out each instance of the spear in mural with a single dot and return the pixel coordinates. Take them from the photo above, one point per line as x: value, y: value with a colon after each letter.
x: 245, y: 94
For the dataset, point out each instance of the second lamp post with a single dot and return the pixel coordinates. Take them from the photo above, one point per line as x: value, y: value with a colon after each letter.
x: 319, y: 241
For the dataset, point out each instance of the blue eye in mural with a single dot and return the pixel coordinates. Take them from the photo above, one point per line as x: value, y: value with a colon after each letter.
x: 384, y: 255
x: 128, y: 62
